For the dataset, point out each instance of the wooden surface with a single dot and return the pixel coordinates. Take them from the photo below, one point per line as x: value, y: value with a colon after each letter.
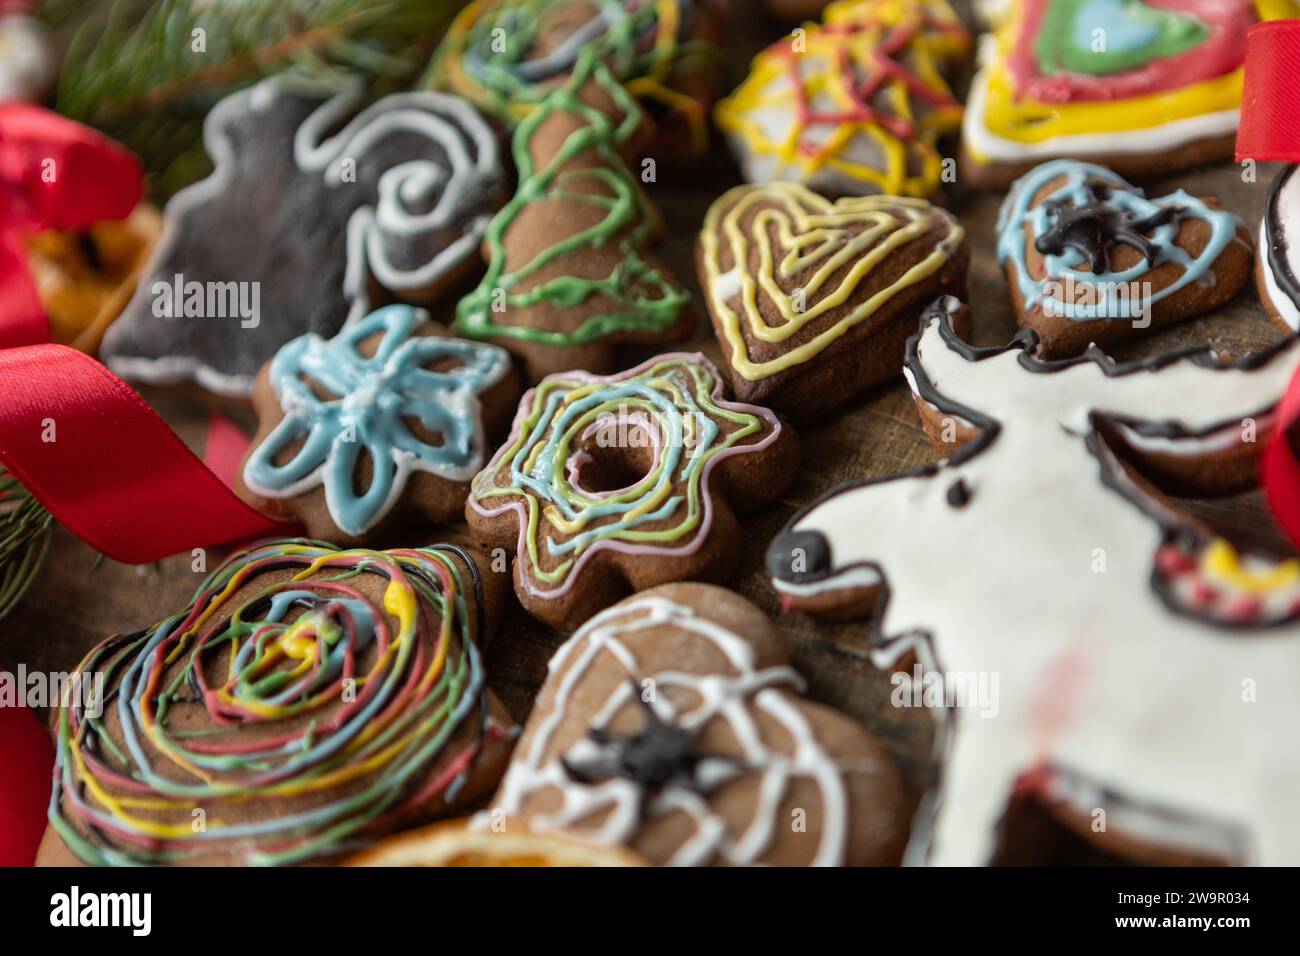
x: 80, y: 599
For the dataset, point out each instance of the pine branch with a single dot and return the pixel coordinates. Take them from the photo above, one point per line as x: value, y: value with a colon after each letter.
x: 135, y: 73
x: 25, y: 532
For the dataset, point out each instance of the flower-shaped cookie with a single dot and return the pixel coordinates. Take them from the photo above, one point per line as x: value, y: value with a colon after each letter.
x: 390, y: 411
x: 622, y: 482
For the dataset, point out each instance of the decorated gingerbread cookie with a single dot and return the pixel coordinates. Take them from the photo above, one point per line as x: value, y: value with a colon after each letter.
x: 812, y: 300
x: 398, y: 196
x: 1092, y: 259
x: 1277, y: 270
x: 672, y: 724
x: 568, y: 279
x: 1143, y: 87
x: 1129, y: 641
x: 307, y: 702
x: 390, y: 417
x: 855, y: 105
x: 85, y: 279
x: 507, y: 56
x: 622, y: 482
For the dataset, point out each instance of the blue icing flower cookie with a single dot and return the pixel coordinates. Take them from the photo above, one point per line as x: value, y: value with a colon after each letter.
x: 390, y: 416
x: 1093, y: 259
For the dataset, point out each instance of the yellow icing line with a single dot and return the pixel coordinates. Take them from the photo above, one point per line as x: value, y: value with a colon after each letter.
x: 804, y: 218
x: 1221, y: 561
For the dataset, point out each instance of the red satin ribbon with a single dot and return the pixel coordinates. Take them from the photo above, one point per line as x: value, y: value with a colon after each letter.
x: 1270, y: 100
x: 1270, y: 132
x: 26, y: 762
x: 77, y: 437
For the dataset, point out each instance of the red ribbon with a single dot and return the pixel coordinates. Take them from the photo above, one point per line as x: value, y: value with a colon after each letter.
x: 28, y: 761
x: 77, y: 437
x: 1270, y: 132
x: 1270, y: 99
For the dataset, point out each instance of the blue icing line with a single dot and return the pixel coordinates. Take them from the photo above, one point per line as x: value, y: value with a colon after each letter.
x: 1123, y: 30
x: 1016, y: 213
x: 374, y: 396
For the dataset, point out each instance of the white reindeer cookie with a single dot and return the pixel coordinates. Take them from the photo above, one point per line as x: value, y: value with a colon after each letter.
x: 1146, y: 670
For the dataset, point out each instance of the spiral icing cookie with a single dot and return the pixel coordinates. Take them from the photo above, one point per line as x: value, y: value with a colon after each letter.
x: 812, y: 300
x: 1146, y: 88
x: 1277, y: 271
x: 506, y: 56
x: 390, y: 417
x: 672, y: 724
x: 855, y: 105
x: 618, y: 483
x: 568, y: 279
x: 1092, y: 259
x: 305, y: 703
x: 1069, y: 576
x: 397, y: 196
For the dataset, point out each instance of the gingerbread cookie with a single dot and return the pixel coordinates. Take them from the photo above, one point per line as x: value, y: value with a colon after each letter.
x: 1039, y: 551
x: 812, y: 300
x: 307, y: 702
x: 397, y: 197
x: 1144, y: 88
x: 1278, y: 265
x: 1092, y: 259
x: 622, y: 482
x: 388, y: 418
x: 84, y: 279
x: 672, y: 724
x: 856, y: 105
x: 568, y: 280
x: 507, y: 56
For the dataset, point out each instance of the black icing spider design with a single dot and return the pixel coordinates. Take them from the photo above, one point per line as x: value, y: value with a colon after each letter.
x: 1090, y: 229
x: 656, y: 757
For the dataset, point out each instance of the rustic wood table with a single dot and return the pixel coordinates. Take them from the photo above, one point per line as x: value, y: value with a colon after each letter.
x: 81, y: 598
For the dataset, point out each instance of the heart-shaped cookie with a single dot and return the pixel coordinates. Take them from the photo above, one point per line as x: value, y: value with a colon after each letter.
x: 813, y: 300
x: 1091, y: 258
x: 672, y: 724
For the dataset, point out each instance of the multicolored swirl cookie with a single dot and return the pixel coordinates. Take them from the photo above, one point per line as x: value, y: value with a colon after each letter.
x: 812, y: 300
x: 568, y: 280
x: 390, y: 417
x: 672, y: 724
x: 1277, y: 270
x: 1146, y: 87
x: 307, y: 702
x: 855, y: 105
x: 506, y: 56
x: 396, y: 196
x: 616, y: 483
x: 1092, y: 259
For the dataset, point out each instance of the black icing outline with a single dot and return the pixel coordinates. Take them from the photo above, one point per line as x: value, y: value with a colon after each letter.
x: 1286, y: 280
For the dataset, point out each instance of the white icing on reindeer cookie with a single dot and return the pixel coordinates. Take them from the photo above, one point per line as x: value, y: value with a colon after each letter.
x: 1031, y: 554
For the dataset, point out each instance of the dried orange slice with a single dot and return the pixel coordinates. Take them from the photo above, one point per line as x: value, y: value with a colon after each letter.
x: 454, y: 844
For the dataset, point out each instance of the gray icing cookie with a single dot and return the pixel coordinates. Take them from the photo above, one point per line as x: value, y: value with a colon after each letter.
x: 309, y: 211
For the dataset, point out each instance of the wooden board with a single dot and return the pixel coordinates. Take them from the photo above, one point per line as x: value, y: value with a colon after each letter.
x: 80, y: 599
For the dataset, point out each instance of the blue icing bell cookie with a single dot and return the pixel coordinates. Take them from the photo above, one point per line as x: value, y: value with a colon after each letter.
x: 1092, y: 259
x: 391, y: 415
